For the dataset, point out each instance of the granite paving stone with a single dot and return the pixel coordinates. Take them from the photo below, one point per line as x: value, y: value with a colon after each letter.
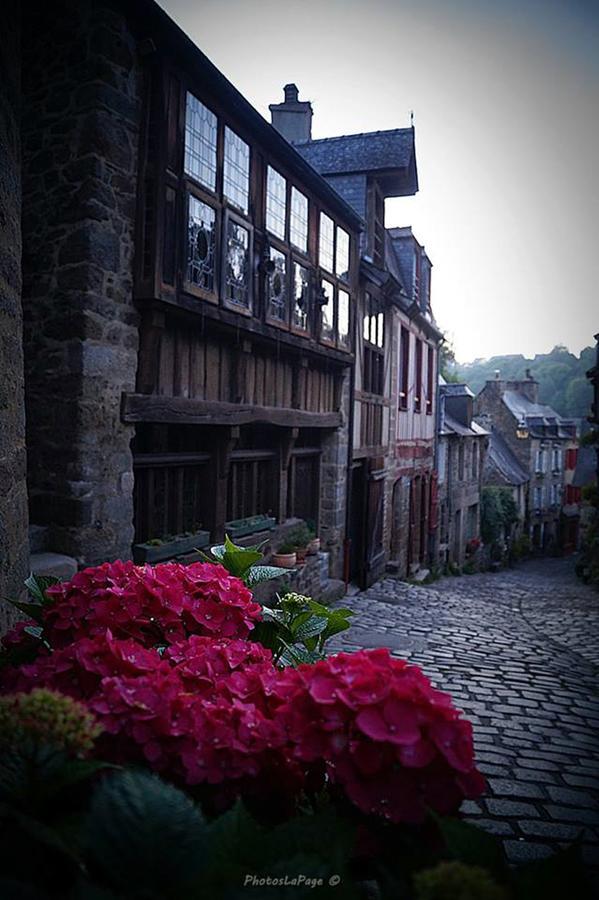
x: 519, y: 652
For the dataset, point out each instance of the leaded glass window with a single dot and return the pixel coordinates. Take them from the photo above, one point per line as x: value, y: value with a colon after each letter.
x: 298, y: 220
x: 342, y: 256
x: 276, y: 203
x: 237, y: 263
x: 326, y: 242
x: 200, y: 142
x: 201, y: 243
x: 301, y: 296
x: 236, y: 174
x: 327, y: 328
x: 277, y: 286
x: 343, y: 318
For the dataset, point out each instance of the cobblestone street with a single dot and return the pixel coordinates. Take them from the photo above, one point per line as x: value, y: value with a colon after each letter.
x: 519, y: 652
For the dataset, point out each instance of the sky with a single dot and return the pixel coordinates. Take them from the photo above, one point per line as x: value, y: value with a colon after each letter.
x: 505, y: 97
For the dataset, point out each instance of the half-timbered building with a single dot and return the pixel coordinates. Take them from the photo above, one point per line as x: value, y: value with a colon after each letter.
x: 392, y: 498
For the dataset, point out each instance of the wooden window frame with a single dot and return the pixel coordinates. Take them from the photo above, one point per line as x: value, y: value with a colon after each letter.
x: 227, y: 201
x: 232, y: 215
x: 281, y: 246
x: 305, y: 253
x: 373, y: 307
x: 430, y: 380
x: 164, y: 169
x: 328, y: 342
x: 295, y: 329
x: 344, y: 287
x: 272, y: 237
x: 187, y: 286
x: 418, y: 358
x: 330, y: 272
x: 405, y: 340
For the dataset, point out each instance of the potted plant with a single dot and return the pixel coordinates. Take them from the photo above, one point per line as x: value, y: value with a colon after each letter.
x: 285, y: 556
x: 300, y: 537
x: 160, y: 549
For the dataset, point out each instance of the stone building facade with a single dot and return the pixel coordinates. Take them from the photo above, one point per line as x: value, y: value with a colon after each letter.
x: 82, y: 99
x: 538, y: 437
x: 187, y: 343
x: 14, y: 550
x: 461, y: 460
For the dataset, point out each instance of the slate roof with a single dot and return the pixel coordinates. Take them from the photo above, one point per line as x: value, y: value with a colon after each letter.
x: 502, y: 458
x: 450, y: 426
x: 451, y: 389
x: 366, y: 152
x: 542, y: 420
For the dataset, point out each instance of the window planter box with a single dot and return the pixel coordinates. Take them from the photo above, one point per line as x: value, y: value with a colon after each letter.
x: 180, y: 544
x: 240, y: 527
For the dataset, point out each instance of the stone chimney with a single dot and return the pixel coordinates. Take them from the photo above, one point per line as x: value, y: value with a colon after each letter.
x: 528, y: 386
x: 293, y: 117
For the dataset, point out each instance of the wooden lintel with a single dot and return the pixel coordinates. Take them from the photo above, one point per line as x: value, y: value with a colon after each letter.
x: 185, y: 411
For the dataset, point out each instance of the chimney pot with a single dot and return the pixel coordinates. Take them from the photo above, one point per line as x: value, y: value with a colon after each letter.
x: 293, y: 117
x: 291, y: 93
x: 496, y: 374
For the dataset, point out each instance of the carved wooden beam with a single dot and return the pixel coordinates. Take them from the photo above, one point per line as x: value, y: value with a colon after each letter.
x: 186, y: 411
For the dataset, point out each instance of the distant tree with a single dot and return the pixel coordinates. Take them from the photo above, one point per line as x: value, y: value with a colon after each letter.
x: 561, y: 376
x: 447, y: 362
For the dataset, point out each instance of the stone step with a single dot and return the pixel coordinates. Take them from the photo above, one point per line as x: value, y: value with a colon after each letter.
x: 55, y: 564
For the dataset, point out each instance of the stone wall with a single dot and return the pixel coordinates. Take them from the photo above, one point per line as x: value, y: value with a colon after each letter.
x: 333, y: 488
x: 457, y: 495
x: 81, y: 121
x: 14, y: 549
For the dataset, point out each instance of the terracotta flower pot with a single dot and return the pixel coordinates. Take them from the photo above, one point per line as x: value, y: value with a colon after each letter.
x: 301, y: 554
x: 314, y: 546
x: 284, y: 560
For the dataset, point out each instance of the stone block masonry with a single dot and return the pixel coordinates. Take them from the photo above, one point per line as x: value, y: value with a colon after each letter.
x: 81, y: 122
x: 14, y: 549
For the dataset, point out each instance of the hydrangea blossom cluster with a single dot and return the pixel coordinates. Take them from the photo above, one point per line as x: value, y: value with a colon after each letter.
x: 161, y: 657
x: 47, y: 717
x: 394, y: 743
x: 152, y: 604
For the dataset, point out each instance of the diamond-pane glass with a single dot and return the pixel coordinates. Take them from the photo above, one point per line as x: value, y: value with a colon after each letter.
x: 236, y: 173
x: 325, y: 244
x: 200, y: 142
x: 298, y: 220
x: 342, y: 256
x: 276, y: 203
